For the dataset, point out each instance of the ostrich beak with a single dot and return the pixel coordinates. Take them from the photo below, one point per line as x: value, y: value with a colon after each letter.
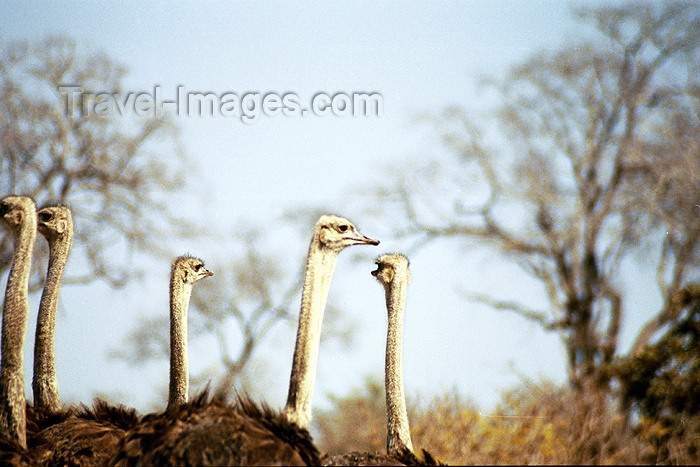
x: 369, y: 241
x: 359, y: 239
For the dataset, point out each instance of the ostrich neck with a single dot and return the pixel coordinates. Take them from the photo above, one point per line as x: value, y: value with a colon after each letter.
x: 180, y: 293
x: 398, y: 433
x: 14, y: 327
x: 320, y: 265
x: 45, y: 382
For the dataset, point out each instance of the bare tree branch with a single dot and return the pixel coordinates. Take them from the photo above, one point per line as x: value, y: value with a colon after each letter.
x: 539, y: 317
x: 109, y: 170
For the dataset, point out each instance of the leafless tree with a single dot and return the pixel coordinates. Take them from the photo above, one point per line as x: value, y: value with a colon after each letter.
x: 114, y: 171
x: 591, y: 156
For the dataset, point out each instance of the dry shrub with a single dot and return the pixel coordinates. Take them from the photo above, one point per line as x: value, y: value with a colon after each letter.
x: 357, y: 422
x: 533, y: 424
x: 671, y: 442
x: 450, y: 428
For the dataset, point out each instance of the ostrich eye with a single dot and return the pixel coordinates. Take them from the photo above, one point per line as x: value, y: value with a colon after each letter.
x: 45, y: 216
x: 198, y: 267
x: 343, y: 228
x: 4, y: 208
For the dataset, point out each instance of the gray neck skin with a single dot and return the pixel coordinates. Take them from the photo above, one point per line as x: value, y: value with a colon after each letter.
x: 398, y: 433
x: 45, y: 382
x: 320, y: 265
x: 14, y: 326
x: 180, y: 293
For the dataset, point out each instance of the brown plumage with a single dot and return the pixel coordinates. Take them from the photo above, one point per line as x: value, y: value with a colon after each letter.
x: 210, y: 431
x: 392, y: 272
x: 85, y: 435
x: 11, y: 453
x: 400, y: 457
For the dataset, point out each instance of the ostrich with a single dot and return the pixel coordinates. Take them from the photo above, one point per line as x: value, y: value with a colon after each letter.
x: 185, y: 271
x: 18, y: 213
x: 210, y: 431
x: 392, y: 272
x: 94, y: 435
x: 74, y: 435
x: 55, y: 223
x: 331, y: 235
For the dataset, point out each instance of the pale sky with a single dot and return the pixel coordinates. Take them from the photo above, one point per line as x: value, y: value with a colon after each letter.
x: 420, y: 57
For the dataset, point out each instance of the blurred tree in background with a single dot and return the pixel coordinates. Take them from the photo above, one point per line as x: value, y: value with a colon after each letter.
x: 662, y: 382
x: 586, y: 166
x: 114, y: 172
x: 595, y: 161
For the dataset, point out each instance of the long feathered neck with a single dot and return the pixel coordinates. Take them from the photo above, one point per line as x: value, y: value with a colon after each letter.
x: 180, y: 293
x: 45, y: 382
x: 398, y: 433
x: 14, y: 327
x: 320, y: 264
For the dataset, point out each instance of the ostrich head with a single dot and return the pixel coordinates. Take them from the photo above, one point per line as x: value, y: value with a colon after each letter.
x: 188, y: 269
x: 13, y: 210
x: 388, y: 266
x: 336, y: 233
x: 54, y: 221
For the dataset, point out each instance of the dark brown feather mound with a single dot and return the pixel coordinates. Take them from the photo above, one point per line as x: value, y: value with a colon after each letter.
x: 12, y: 453
x: 40, y: 418
x: 102, y: 411
x: 359, y: 458
x: 278, y: 425
x: 80, y: 435
x: 405, y: 457
x: 210, y: 431
x: 77, y: 442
